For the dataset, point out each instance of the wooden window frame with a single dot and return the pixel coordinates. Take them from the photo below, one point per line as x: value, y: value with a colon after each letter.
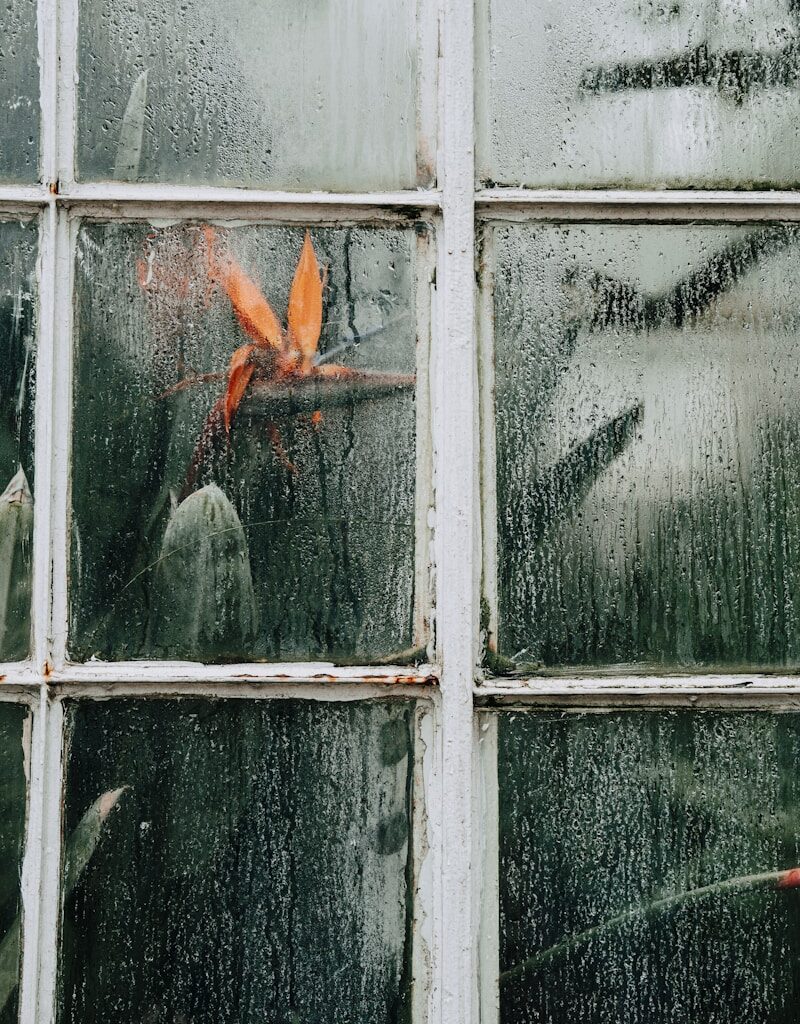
x: 455, y: 916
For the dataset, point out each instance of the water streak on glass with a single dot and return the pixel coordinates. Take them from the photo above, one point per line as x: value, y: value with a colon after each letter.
x: 18, y: 249
x: 300, y: 95
x: 19, y: 93
x: 639, y: 93
x: 287, y: 532
x: 14, y: 735
x: 247, y: 861
x: 648, y: 430
x: 642, y: 867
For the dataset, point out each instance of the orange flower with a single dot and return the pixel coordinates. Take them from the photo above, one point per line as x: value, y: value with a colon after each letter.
x: 282, y: 362
x: 295, y: 347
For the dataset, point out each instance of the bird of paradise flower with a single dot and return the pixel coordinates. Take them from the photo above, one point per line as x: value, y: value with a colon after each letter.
x: 280, y: 370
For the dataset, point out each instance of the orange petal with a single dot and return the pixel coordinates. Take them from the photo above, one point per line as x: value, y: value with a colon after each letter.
x: 252, y: 310
x: 304, y: 315
x: 239, y: 373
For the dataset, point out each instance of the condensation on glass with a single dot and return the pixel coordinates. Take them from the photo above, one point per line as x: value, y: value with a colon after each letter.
x: 648, y: 430
x: 236, y: 861
x: 650, y: 93
x: 14, y: 754
x: 290, y: 532
x: 19, y: 93
x: 644, y: 863
x: 18, y: 251
x: 300, y: 95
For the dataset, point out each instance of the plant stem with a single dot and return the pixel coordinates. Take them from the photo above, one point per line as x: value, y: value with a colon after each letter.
x: 729, y: 886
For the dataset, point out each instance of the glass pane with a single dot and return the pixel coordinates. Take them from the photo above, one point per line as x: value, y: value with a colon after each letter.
x: 643, y: 868
x: 18, y: 250
x: 648, y: 430
x: 14, y: 737
x: 19, y: 93
x: 300, y: 95
x: 236, y: 861
x: 290, y: 534
x: 649, y: 93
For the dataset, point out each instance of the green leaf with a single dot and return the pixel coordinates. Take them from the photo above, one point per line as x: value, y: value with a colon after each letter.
x: 203, y: 604
x: 16, y: 532
x: 129, y: 148
x: 80, y: 847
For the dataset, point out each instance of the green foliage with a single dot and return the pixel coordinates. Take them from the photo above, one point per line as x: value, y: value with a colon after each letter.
x: 203, y: 605
x: 16, y: 534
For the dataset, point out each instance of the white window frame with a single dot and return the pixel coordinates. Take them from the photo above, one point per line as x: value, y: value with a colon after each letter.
x: 454, y: 852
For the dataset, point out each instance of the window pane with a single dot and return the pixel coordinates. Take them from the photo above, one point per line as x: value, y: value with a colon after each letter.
x: 284, y: 95
x: 236, y: 861
x: 648, y: 93
x: 14, y: 733
x: 18, y: 249
x: 648, y: 433
x: 19, y: 93
x: 291, y: 535
x: 641, y: 866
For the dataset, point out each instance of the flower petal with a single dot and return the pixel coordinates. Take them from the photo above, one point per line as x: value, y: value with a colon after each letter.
x: 252, y: 310
x: 239, y: 373
x: 304, y: 314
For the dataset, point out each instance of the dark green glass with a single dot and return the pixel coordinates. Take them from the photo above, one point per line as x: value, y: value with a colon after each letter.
x: 14, y: 731
x: 642, y: 867
x: 292, y: 535
x: 648, y: 445
x: 19, y: 93
x: 247, y: 861
x: 18, y: 253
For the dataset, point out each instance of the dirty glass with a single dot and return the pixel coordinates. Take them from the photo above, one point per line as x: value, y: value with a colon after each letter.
x: 648, y: 431
x: 276, y: 522
x: 18, y: 248
x: 651, y: 93
x: 300, y: 95
x: 645, y: 866
x: 19, y: 93
x: 14, y: 734
x: 236, y: 861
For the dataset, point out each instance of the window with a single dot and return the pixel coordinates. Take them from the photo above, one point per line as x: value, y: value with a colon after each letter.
x: 399, y: 614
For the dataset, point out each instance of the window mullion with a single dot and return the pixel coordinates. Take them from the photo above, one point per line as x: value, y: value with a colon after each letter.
x: 49, y: 800
x: 488, y: 440
x: 457, y: 522
x: 30, y: 882
x: 60, y: 447
x: 47, y: 21
x: 66, y: 89
x: 43, y: 443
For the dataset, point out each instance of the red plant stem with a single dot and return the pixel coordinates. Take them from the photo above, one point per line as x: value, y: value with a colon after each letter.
x: 211, y: 435
x: 268, y: 400
x: 189, y: 382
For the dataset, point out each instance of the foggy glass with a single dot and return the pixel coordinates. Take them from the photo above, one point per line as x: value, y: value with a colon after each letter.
x: 250, y: 862
x: 300, y: 95
x: 293, y: 536
x: 650, y: 93
x: 14, y: 727
x: 648, y: 431
x: 608, y: 823
x: 18, y: 253
x: 19, y: 93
